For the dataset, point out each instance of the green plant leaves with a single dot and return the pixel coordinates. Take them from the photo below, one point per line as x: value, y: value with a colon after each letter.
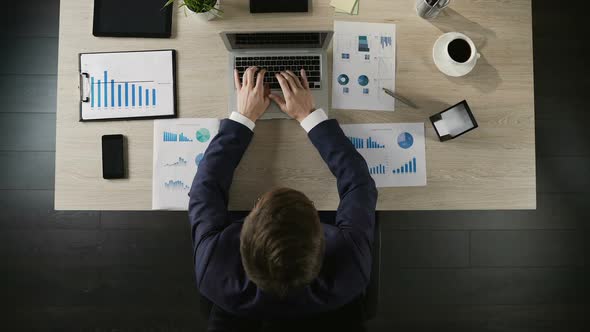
x: 198, y: 6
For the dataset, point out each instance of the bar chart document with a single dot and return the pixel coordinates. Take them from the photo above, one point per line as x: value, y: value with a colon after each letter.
x: 363, y: 64
x: 179, y: 147
x: 395, y: 152
x: 125, y: 85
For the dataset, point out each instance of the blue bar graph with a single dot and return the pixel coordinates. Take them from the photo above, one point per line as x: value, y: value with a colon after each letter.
x: 358, y: 143
x: 407, y: 168
x: 183, y: 138
x: 112, y: 93
x: 105, y: 89
x: 379, y: 169
x: 119, y: 91
x: 385, y: 41
x: 170, y: 137
x: 371, y: 144
x: 178, y: 162
x: 176, y: 185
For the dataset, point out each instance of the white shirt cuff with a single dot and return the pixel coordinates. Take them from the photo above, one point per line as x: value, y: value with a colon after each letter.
x: 315, y: 118
x: 237, y: 117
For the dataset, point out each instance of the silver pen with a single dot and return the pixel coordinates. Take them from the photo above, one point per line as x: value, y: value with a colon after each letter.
x: 398, y: 97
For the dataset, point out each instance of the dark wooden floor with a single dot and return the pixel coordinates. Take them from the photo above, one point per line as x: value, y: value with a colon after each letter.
x: 460, y: 271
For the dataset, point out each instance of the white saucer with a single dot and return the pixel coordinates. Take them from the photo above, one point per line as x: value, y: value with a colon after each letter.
x: 446, y: 65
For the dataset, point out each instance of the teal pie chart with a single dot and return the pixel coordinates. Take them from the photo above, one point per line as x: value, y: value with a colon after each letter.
x: 203, y: 135
x: 199, y: 158
x: 343, y: 79
x: 405, y: 140
x: 363, y: 80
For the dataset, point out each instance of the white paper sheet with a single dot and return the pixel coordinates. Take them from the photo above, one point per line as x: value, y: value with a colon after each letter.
x: 179, y: 145
x: 395, y: 152
x: 128, y: 84
x: 363, y: 64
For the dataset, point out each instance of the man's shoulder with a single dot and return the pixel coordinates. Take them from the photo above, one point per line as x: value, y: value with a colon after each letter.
x: 226, y: 258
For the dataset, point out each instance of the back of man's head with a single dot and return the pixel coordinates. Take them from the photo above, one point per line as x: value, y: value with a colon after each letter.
x: 282, y: 242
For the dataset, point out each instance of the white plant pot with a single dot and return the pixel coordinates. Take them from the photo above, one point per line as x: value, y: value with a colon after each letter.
x: 208, y: 16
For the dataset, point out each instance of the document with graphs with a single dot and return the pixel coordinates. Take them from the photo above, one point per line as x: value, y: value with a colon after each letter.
x: 363, y: 64
x: 127, y: 85
x: 179, y: 146
x: 395, y: 152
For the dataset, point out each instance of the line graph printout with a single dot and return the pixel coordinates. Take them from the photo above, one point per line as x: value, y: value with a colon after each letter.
x: 179, y: 147
x: 395, y: 152
x: 364, y: 64
x: 127, y: 84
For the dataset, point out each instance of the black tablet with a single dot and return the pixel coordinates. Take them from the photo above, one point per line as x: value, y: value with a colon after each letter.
x: 132, y: 18
x: 278, y: 6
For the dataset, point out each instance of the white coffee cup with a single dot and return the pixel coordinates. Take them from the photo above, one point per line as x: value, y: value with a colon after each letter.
x: 455, y: 54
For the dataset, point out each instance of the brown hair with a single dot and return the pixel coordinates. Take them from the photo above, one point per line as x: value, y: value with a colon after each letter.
x: 282, y: 242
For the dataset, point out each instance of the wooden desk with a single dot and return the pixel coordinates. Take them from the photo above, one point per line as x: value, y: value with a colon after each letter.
x: 492, y: 167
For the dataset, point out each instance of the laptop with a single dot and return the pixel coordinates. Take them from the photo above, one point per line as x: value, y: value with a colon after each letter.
x: 276, y: 52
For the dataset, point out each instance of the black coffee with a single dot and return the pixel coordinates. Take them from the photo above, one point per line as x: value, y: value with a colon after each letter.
x: 460, y: 50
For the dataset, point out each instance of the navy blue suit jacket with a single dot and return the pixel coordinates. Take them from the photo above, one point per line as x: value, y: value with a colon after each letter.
x: 216, y: 239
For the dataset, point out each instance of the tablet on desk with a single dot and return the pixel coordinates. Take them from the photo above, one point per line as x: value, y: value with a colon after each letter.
x: 278, y: 6
x: 132, y: 18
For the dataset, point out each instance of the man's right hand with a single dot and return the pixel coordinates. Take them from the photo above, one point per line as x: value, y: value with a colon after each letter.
x: 298, y: 100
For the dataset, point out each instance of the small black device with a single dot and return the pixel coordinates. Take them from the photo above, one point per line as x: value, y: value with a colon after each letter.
x: 279, y: 6
x: 113, y: 157
x: 454, y: 121
x: 132, y: 18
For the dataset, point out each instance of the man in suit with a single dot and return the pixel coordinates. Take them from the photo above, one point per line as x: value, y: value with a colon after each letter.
x: 281, y: 262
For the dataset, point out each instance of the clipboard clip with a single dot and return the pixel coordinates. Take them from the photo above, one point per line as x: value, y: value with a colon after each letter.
x: 84, y: 82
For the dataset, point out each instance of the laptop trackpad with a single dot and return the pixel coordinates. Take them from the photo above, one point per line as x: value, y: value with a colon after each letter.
x: 274, y: 112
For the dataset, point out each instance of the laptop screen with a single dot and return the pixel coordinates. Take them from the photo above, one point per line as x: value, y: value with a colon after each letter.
x: 288, y: 40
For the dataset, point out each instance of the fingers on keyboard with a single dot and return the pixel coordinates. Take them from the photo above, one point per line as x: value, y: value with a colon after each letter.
x: 276, y: 64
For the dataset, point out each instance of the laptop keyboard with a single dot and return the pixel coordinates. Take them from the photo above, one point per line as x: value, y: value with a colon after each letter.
x: 275, y: 64
x: 278, y: 39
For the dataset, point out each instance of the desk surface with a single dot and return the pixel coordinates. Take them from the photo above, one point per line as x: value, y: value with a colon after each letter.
x: 492, y: 167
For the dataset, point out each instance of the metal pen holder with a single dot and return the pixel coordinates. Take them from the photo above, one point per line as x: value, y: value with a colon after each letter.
x: 429, y: 9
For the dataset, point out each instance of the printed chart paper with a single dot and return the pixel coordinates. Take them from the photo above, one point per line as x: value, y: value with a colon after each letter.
x: 179, y: 146
x: 395, y: 152
x: 363, y: 64
x: 128, y: 84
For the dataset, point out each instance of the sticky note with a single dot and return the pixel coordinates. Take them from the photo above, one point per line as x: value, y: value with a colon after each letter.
x: 346, y: 6
x: 355, y: 10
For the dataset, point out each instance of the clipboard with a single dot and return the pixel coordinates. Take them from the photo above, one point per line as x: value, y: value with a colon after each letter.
x: 127, y: 85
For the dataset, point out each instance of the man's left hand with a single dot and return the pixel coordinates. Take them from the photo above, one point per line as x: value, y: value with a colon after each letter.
x: 252, y: 93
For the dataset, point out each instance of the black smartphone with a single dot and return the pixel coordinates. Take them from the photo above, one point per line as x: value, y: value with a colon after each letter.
x: 113, y: 156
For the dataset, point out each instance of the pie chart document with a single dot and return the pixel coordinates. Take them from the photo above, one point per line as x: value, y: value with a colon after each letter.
x: 179, y: 147
x: 363, y: 64
x: 395, y: 152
